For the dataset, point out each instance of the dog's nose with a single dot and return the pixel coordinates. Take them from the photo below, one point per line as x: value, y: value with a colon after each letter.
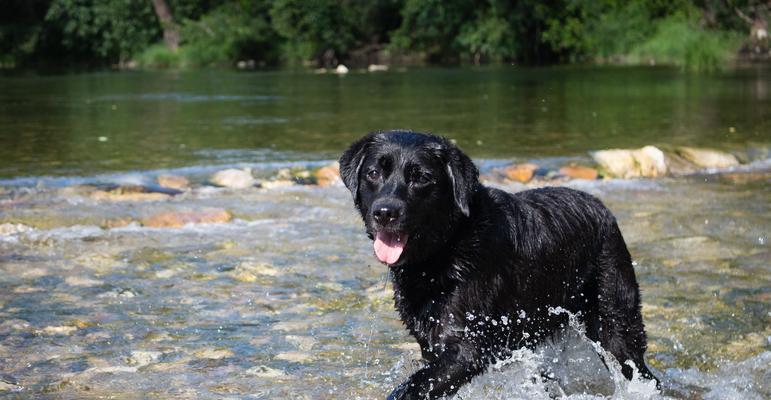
x: 386, y: 214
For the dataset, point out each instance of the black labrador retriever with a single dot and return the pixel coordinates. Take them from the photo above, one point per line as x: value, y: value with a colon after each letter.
x: 477, y: 272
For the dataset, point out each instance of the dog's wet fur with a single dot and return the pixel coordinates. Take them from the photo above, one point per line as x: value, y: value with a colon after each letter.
x: 478, y: 268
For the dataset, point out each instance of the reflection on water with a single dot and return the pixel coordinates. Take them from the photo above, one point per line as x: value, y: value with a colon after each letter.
x: 91, y: 123
x: 287, y: 301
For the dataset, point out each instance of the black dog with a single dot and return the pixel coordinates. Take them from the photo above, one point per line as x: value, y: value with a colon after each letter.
x: 476, y: 270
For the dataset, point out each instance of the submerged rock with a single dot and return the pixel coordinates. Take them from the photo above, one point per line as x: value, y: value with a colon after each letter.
x: 173, y: 181
x: 708, y: 158
x: 647, y: 162
x: 8, y: 229
x: 140, y: 358
x: 293, y: 356
x: 116, y: 222
x: 177, y: 219
x: 134, y: 193
x: 233, y: 178
x: 377, y: 68
x: 579, y: 172
x: 58, y: 330
x: 213, y: 354
x: 263, y: 371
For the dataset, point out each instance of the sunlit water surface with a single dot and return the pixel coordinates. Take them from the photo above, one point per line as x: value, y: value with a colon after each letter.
x: 287, y: 300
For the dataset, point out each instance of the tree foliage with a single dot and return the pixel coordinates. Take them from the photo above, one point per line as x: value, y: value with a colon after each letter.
x: 326, y: 32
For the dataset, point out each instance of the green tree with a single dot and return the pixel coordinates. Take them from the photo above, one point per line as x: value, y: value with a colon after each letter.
x: 102, y: 30
x: 319, y: 30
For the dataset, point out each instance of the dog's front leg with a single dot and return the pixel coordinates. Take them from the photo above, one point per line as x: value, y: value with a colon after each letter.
x: 443, y: 376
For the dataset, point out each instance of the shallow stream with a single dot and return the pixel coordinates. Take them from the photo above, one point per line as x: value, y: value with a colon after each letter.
x: 287, y: 301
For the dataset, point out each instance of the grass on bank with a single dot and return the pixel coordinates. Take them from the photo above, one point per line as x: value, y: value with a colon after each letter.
x: 676, y: 40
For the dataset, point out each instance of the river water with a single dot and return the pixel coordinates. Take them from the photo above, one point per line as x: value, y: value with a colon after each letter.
x: 286, y: 300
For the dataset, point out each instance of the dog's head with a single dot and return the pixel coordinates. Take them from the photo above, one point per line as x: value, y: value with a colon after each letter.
x: 411, y: 189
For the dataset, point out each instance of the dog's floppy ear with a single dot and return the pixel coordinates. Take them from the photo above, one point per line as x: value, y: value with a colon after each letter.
x: 350, y: 164
x: 464, y: 177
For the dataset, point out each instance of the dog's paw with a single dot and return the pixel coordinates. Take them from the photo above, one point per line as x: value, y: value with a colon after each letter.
x: 405, y: 391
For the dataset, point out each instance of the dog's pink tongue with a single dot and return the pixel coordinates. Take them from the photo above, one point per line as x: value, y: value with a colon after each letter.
x: 389, y: 246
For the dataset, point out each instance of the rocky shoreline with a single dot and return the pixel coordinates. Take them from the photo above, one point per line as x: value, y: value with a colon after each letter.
x: 648, y: 162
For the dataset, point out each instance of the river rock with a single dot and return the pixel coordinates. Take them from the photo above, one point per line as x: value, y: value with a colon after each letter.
x: 116, y: 222
x: 177, y: 219
x: 579, y: 172
x: 140, y: 358
x: 263, y: 371
x: 377, y: 68
x: 9, y: 387
x: 647, y: 162
x: 173, y: 181
x: 678, y: 166
x: 59, y: 330
x: 134, y: 193
x: 8, y: 229
x: 328, y: 175
x: 708, y: 158
x: 213, y: 354
x: 293, y: 356
x: 277, y: 183
x: 520, y: 172
x: 341, y: 69
x: 233, y: 178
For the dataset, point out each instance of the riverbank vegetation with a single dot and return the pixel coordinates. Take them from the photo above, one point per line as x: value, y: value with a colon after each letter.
x: 696, y: 34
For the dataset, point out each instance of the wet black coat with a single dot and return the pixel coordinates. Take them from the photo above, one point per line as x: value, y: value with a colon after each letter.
x: 483, y: 270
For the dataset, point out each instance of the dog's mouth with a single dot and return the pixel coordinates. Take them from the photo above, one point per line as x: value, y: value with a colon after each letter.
x: 389, y: 246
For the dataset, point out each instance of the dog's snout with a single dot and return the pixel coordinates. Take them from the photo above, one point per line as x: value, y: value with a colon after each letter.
x: 386, y: 213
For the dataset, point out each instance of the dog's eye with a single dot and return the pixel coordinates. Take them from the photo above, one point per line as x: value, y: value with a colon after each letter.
x: 373, y: 175
x: 421, y: 179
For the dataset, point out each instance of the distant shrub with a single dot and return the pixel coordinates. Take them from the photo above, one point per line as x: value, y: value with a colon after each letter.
x: 158, y: 56
x: 229, y: 33
x: 681, y: 41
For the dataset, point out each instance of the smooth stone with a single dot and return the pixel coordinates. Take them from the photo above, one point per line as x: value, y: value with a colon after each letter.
x: 173, y: 181
x: 133, y: 193
x: 59, y: 330
x: 110, y: 370
x: 293, y: 356
x: 233, y: 178
x: 295, y: 325
x: 279, y: 183
x: 140, y: 358
x: 263, y: 371
x: 341, y: 69
x: 678, y: 166
x: 117, y: 222
x: 407, y: 346
x: 520, y: 172
x: 258, y: 268
x: 328, y: 175
x: 579, y: 172
x: 213, y: 354
x: 304, y: 343
x: 177, y: 219
x: 8, y: 229
x: 9, y: 387
x: 708, y: 158
x: 377, y: 68
x: 746, y: 177
x: 647, y: 162
x: 81, y: 281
